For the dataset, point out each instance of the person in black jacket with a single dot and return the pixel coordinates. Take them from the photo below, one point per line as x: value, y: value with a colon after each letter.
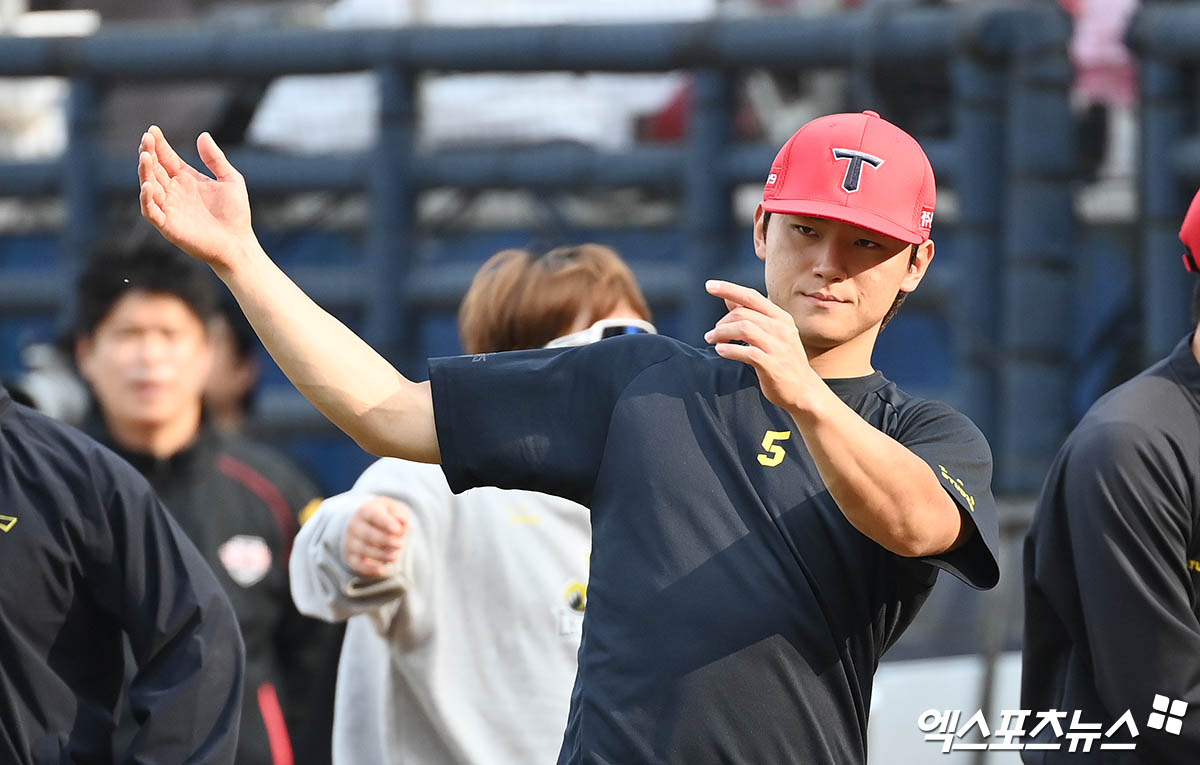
x: 87, y: 557
x: 1112, y: 568
x: 143, y: 345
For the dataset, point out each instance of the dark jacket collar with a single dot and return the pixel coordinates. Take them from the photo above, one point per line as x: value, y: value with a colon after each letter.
x: 1185, y: 368
x: 191, y: 457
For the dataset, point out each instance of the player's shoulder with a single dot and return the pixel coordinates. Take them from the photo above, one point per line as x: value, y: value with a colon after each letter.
x: 56, y: 454
x: 1153, y: 411
x: 639, y: 351
x: 909, y: 411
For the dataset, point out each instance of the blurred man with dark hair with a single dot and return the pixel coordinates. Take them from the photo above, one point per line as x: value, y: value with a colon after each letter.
x: 143, y: 344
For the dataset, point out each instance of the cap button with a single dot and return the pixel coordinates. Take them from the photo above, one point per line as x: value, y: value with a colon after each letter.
x: 870, y: 113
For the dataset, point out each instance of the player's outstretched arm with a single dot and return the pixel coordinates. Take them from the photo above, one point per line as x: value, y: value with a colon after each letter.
x: 351, y: 384
x: 885, y: 490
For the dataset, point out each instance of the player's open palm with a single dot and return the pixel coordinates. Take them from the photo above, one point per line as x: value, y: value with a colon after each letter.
x: 208, y: 218
x: 376, y: 535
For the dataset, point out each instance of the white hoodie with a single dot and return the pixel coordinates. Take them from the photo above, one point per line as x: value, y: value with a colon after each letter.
x: 466, y: 653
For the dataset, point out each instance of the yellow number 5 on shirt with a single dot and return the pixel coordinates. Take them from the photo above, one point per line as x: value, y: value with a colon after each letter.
x: 774, y: 452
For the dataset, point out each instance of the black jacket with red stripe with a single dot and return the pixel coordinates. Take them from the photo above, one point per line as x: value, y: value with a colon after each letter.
x: 241, y: 504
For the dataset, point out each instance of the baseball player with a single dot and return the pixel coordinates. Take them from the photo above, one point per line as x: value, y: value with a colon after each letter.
x: 465, y: 611
x: 1112, y: 567
x: 767, y: 515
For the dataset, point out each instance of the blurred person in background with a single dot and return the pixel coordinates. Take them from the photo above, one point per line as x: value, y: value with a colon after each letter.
x: 1112, y: 563
x: 90, y: 561
x: 229, y: 392
x: 143, y: 345
x: 465, y: 611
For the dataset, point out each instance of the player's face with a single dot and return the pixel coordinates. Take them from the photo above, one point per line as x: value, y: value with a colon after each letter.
x: 147, y: 361
x: 836, y: 280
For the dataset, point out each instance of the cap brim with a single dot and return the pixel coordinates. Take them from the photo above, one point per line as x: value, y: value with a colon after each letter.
x: 854, y: 216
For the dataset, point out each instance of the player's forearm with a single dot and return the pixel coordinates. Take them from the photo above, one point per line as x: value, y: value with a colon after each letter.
x: 343, y: 377
x: 884, y: 490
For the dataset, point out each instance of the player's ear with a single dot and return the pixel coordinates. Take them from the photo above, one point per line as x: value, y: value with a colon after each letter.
x: 918, y: 264
x: 760, y: 233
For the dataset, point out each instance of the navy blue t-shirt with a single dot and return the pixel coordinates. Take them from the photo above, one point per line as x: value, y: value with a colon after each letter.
x: 733, y: 613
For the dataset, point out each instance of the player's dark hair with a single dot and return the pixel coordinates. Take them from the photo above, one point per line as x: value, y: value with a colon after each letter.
x: 245, y: 342
x: 521, y: 300
x: 111, y: 274
x: 900, y: 296
x: 1196, y: 303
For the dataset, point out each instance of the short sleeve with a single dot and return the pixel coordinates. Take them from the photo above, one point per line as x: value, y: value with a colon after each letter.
x: 535, y: 420
x: 959, y: 455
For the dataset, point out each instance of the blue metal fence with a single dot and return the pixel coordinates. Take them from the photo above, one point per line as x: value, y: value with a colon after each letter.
x: 1009, y: 158
x: 1167, y: 40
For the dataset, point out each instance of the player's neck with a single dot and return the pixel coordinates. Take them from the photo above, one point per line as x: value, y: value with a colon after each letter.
x: 157, y: 439
x: 1196, y: 344
x: 850, y: 359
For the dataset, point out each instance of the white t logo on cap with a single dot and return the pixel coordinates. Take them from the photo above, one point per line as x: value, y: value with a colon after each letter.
x: 853, y: 177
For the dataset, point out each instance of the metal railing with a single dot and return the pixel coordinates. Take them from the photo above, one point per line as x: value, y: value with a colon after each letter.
x: 1166, y: 38
x: 1009, y: 160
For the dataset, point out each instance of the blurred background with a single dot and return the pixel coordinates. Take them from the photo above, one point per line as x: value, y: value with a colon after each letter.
x: 390, y: 146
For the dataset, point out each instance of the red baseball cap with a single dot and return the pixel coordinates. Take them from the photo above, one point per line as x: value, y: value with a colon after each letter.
x: 856, y: 168
x: 1189, y: 234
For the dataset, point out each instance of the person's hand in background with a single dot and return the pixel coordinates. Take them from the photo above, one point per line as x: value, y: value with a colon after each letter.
x: 376, y: 535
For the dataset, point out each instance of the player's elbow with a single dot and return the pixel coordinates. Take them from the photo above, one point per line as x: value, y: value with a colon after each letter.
x: 920, y: 535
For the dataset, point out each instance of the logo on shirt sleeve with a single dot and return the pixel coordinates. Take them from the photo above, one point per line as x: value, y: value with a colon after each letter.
x: 7, y: 522
x: 958, y: 485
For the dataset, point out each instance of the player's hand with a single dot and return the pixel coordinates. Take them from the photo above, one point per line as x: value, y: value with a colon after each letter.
x: 208, y: 218
x: 376, y: 536
x: 773, y: 346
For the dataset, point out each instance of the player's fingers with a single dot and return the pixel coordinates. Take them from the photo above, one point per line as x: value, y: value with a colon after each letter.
x: 746, y: 354
x: 148, y: 169
x: 214, y: 159
x: 782, y: 327
x: 380, y: 537
x: 162, y: 150
x: 165, y: 155
x: 380, y: 513
x: 740, y: 295
x: 366, y: 567
x: 745, y: 331
x: 370, y: 547
x: 151, y: 210
x: 741, y: 313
